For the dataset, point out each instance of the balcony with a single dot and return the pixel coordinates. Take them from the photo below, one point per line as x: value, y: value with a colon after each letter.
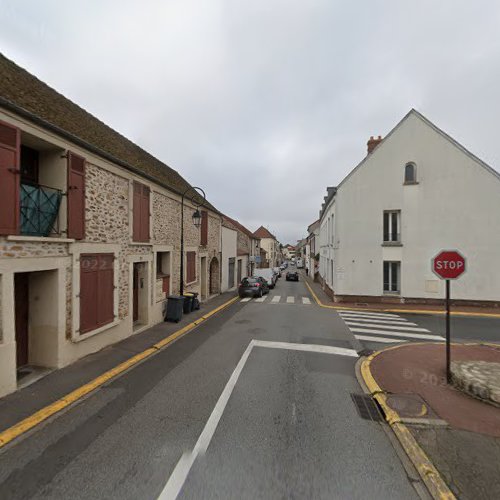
x: 39, y: 207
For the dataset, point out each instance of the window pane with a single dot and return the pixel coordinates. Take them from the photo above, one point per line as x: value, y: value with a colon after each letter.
x: 394, y: 276
x: 410, y: 173
x: 394, y: 226
x: 386, y: 226
x: 386, y: 276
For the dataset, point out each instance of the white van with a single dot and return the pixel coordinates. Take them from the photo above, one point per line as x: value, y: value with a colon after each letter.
x: 268, y: 274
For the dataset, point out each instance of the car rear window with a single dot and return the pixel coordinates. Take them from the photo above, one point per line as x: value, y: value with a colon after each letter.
x: 248, y: 281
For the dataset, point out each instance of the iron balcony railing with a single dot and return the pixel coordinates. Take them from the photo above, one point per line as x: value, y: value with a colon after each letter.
x: 39, y: 210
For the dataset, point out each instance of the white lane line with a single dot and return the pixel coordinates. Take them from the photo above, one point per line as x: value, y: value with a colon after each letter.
x: 373, y: 318
x: 369, y: 316
x: 290, y: 300
x: 377, y: 339
x: 326, y: 349
x: 359, y: 311
x: 397, y: 334
x: 388, y: 327
x: 305, y: 300
x: 181, y: 471
x: 178, y: 477
x: 276, y: 298
x: 260, y: 299
x: 381, y: 321
x: 246, y: 299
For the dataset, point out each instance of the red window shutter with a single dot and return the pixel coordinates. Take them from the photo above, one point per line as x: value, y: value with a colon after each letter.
x: 137, y: 211
x: 166, y: 285
x: 9, y: 179
x: 96, y: 291
x: 145, y: 214
x: 191, y: 267
x: 76, y: 196
x: 204, y: 228
x: 89, y: 265
x: 141, y: 212
x: 105, y: 309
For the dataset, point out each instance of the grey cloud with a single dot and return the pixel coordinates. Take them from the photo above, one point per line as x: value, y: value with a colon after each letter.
x: 247, y: 98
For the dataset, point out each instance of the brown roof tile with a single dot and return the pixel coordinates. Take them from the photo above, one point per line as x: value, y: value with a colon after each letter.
x: 29, y: 96
x: 262, y: 232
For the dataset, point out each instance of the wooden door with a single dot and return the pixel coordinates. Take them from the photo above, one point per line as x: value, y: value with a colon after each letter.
x: 21, y: 306
x: 135, y: 297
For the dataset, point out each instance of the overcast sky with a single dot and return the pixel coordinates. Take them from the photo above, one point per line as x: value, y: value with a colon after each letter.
x: 264, y: 103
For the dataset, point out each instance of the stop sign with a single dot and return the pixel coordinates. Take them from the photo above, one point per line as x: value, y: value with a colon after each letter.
x: 448, y: 264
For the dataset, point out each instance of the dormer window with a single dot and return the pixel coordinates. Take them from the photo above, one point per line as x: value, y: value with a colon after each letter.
x: 410, y: 173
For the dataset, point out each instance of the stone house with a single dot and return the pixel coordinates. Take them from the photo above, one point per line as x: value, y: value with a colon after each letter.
x: 271, y: 246
x: 89, y: 232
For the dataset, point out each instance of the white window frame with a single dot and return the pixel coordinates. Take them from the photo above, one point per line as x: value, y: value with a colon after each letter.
x: 398, y: 228
x: 392, y: 292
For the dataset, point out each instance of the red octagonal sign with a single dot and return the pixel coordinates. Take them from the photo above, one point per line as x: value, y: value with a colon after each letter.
x: 448, y: 264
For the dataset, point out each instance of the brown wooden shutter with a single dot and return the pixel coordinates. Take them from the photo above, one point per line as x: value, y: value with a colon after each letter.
x: 96, y: 291
x: 204, y: 228
x: 145, y: 214
x: 141, y: 212
x: 105, y: 309
x: 136, y: 209
x: 9, y: 179
x: 89, y: 285
x: 76, y: 196
x: 190, y: 267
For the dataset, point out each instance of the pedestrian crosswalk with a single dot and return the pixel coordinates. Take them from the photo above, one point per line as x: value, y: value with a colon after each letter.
x: 384, y: 327
x: 278, y: 299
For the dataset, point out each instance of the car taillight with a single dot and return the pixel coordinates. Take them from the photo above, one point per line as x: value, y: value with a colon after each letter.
x: 257, y: 284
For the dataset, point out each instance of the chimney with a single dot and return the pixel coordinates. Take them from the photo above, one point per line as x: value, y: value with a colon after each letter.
x: 373, y: 143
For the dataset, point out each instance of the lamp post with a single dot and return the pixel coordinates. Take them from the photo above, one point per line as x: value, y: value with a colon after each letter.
x: 196, y: 221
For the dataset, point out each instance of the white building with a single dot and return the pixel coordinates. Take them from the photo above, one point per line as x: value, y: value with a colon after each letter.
x: 269, y: 243
x: 418, y: 191
x: 229, y: 254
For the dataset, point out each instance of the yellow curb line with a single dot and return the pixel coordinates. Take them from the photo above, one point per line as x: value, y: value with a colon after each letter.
x: 426, y: 469
x: 407, y: 311
x: 48, y: 411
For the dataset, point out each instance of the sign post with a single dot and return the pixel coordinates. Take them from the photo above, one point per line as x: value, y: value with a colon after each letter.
x: 448, y: 265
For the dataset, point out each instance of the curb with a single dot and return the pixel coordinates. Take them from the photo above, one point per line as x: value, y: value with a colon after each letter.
x: 435, y: 484
x: 405, y: 311
x: 48, y: 411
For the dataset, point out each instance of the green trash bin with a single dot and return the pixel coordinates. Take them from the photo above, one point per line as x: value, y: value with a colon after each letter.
x: 174, y: 308
x: 188, y: 302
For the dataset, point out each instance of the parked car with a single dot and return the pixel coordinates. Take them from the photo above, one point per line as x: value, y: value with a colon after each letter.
x: 292, y: 276
x: 255, y: 286
x: 283, y: 266
x: 268, y: 275
x: 277, y: 270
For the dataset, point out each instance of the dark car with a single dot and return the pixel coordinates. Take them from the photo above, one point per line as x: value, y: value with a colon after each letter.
x: 292, y: 276
x: 255, y: 286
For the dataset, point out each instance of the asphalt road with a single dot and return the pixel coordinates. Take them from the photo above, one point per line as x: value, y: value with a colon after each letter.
x: 216, y: 415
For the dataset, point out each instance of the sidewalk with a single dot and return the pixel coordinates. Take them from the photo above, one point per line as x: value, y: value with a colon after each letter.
x: 57, y: 384
x: 459, y: 434
x: 408, y: 308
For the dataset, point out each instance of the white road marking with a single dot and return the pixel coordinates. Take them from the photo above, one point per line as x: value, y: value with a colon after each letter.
x: 305, y: 300
x: 181, y: 471
x: 276, y: 298
x: 378, y: 339
x: 290, y: 300
x: 178, y: 477
x: 397, y: 334
x: 246, y: 299
x: 260, y: 299
x: 376, y: 319
x: 388, y: 327
x: 326, y: 349
x: 369, y: 316
x: 368, y: 313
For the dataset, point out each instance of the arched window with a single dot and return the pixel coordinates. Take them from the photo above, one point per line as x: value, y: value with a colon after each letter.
x: 410, y: 173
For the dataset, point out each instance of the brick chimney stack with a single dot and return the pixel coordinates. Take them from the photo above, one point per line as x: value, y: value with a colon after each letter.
x: 373, y: 143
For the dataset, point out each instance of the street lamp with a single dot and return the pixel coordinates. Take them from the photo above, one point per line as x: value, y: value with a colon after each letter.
x: 196, y: 221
